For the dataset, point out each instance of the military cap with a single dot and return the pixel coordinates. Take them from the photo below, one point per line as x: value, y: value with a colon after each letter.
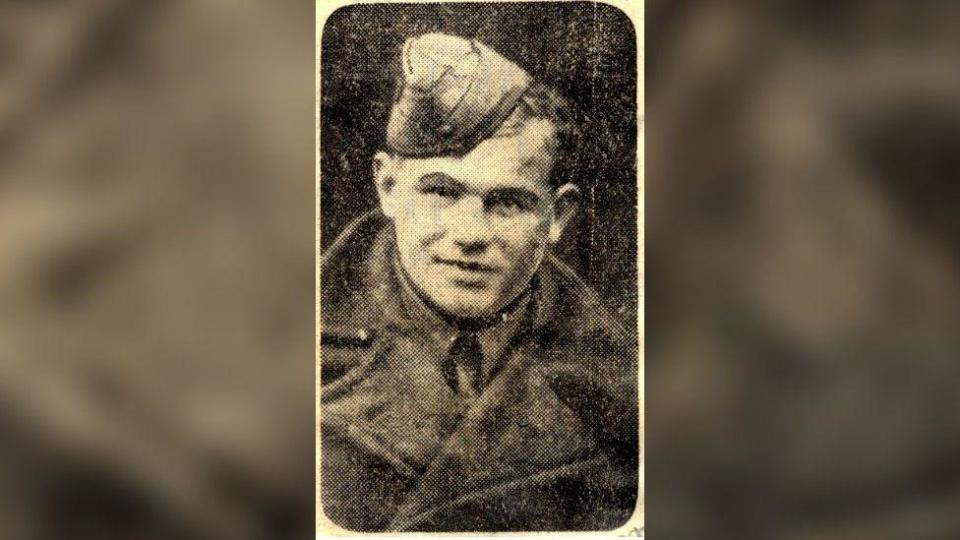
x: 451, y: 94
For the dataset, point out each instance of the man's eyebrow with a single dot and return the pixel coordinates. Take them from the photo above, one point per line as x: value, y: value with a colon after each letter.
x: 522, y: 194
x: 435, y: 178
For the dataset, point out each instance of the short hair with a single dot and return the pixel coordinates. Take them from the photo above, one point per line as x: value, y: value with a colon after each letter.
x: 543, y: 102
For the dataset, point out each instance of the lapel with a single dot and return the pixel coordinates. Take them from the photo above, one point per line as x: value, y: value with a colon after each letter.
x: 519, y: 427
x: 393, y: 401
x: 526, y: 422
x: 516, y: 429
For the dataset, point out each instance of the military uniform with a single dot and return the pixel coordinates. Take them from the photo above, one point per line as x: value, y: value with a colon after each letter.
x: 549, y: 444
x: 527, y: 422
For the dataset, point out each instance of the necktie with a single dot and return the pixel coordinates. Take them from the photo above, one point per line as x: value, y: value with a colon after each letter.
x: 462, y: 368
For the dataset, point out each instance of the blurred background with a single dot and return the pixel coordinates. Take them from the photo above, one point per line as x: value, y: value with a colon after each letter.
x: 802, y: 280
x: 156, y: 269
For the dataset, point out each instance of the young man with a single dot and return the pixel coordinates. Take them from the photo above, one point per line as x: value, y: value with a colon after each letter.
x: 470, y: 380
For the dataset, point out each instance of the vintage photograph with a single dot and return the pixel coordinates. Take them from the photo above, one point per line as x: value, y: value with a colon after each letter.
x: 479, y: 345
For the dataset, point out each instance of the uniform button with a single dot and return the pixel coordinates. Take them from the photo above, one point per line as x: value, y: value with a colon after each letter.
x: 446, y: 129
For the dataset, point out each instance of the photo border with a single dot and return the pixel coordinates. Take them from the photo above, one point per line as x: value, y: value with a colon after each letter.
x: 634, y: 527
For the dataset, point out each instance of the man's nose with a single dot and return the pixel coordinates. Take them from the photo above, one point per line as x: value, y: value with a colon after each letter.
x: 469, y: 227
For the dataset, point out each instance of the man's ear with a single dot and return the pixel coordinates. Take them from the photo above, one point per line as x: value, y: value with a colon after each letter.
x: 383, y: 177
x: 566, y: 201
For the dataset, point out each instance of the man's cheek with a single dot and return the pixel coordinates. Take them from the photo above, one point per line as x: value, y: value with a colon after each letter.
x: 425, y: 228
x: 524, y: 237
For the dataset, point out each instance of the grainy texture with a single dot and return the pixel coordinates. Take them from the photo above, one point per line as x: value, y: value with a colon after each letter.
x: 470, y: 380
x: 585, y: 50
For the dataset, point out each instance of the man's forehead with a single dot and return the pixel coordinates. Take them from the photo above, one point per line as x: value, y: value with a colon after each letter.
x: 522, y: 155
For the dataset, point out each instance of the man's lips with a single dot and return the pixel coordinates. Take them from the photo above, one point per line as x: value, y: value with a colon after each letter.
x: 470, y: 266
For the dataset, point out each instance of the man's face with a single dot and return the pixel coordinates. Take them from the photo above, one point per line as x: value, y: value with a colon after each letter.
x: 473, y: 229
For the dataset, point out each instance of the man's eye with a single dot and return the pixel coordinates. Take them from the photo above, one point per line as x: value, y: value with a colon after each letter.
x: 508, y: 205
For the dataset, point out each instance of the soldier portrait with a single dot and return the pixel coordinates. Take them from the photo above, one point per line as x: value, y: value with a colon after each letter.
x: 478, y: 347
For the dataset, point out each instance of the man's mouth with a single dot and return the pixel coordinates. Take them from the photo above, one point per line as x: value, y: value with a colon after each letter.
x: 470, y: 266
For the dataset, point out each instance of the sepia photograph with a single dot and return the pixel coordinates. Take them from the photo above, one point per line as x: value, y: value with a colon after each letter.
x: 282, y: 270
x: 479, y: 351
